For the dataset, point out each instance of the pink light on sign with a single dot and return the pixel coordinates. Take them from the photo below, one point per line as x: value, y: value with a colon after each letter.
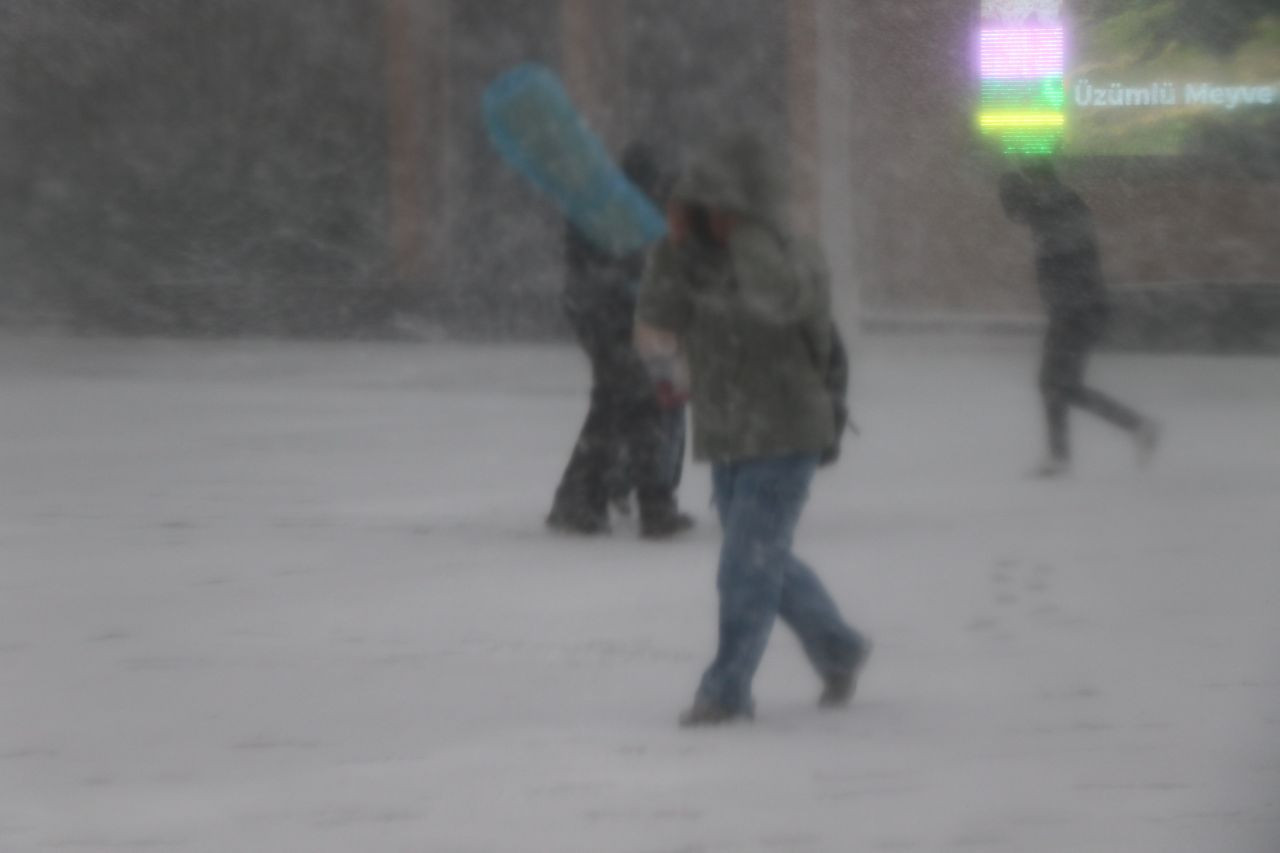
x: 1023, y: 53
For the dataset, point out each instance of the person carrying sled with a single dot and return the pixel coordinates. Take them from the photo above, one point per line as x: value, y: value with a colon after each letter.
x: 1069, y: 273
x: 749, y: 307
x: 632, y: 439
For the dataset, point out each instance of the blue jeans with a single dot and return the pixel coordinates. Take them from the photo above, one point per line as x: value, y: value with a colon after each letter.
x: 759, y: 503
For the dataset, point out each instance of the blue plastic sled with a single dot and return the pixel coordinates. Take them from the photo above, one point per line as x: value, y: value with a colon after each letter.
x: 537, y: 130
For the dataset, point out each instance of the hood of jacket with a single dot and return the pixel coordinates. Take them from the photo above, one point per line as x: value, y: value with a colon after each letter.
x: 739, y: 174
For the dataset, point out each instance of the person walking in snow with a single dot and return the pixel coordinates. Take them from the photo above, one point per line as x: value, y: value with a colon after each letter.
x: 632, y: 439
x: 1069, y: 273
x: 749, y: 306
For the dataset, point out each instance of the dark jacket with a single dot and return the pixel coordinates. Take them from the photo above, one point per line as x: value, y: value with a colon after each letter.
x: 1068, y: 264
x: 599, y: 293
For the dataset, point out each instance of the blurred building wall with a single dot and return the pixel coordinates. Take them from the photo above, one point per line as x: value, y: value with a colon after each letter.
x: 266, y: 166
x: 194, y: 167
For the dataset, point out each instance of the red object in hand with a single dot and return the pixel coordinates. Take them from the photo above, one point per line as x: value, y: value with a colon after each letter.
x: 669, y: 396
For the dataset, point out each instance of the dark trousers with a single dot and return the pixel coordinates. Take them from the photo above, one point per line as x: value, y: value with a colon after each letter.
x: 1066, y: 353
x: 627, y: 441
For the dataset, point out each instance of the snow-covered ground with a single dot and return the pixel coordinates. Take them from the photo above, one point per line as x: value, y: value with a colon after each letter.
x: 297, y: 597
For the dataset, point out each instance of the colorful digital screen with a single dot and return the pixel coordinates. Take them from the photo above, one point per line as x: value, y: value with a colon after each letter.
x: 1022, y: 65
x: 1130, y: 77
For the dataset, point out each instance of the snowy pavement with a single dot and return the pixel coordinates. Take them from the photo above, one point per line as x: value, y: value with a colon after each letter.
x: 297, y: 597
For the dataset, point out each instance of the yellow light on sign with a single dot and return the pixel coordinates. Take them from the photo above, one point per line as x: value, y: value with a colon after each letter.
x: 992, y: 121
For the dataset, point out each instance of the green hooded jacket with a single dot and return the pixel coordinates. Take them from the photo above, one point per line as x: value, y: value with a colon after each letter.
x: 753, y: 318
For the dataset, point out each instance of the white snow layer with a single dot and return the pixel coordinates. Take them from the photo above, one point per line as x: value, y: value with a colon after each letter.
x: 298, y: 597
